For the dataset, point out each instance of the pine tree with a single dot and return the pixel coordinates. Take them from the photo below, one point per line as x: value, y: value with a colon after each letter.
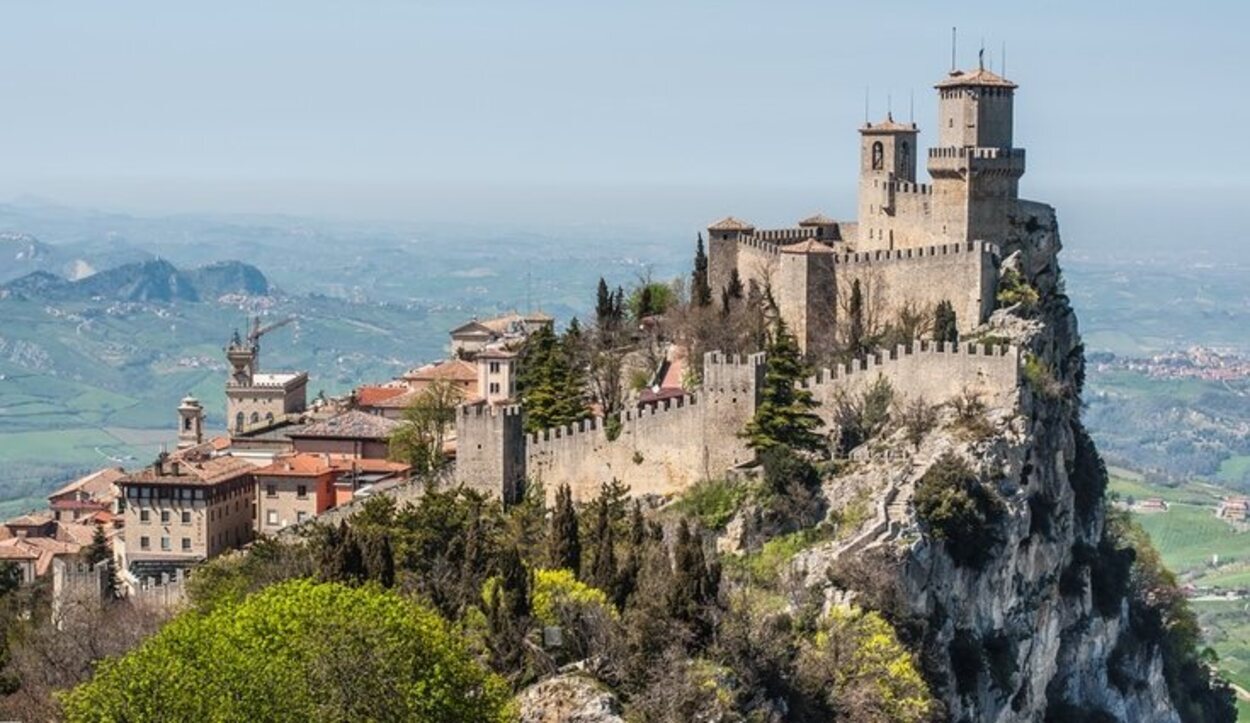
x: 784, y: 415
x: 945, y: 325
x: 564, y: 546
x: 551, y: 382
x: 700, y: 289
x: 856, y: 343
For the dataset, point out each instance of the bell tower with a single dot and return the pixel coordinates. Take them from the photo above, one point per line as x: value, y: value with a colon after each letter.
x: 190, y: 422
x: 887, y: 155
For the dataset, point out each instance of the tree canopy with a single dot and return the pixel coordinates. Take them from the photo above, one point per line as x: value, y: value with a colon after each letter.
x: 784, y: 415
x: 298, y: 651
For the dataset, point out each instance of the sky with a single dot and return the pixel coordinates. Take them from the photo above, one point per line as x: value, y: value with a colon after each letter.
x: 585, y: 112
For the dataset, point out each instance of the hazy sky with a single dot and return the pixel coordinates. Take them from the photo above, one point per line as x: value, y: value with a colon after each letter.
x: 591, y: 111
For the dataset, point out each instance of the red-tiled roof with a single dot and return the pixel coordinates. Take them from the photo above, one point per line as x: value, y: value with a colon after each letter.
x: 301, y: 464
x: 457, y: 370
x: 368, y: 396
x: 209, y: 471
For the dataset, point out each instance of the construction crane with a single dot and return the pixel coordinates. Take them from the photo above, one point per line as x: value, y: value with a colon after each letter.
x: 258, y: 331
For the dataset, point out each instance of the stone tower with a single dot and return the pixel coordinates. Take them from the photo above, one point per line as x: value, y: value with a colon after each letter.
x: 243, y: 359
x: 887, y: 156
x: 190, y: 422
x: 807, y: 294
x: 976, y: 171
x: 722, y: 251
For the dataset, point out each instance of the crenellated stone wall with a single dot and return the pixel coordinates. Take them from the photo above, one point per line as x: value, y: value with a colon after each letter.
x: 668, y: 447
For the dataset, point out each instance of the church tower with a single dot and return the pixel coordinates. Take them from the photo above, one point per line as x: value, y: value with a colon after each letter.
x: 190, y: 422
x: 975, y: 168
x: 887, y: 156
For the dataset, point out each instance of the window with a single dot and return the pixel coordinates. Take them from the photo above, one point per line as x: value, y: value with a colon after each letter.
x: 186, y: 544
x: 271, y: 490
x: 144, y: 515
x: 164, y: 517
x: 255, y: 417
x: 302, y: 492
x: 301, y: 516
x: 186, y: 517
x: 494, y: 387
x: 271, y: 518
x: 165, y: 544
x: 494, y: 367
x: 186, y: 424
x: 145, y: 543
x: 878, y: 156
x: 269, y: 418
x: 238, y: 421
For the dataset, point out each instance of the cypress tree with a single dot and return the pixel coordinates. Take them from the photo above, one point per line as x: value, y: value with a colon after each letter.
x: 100, y: 551
x: 735, y: 287
x: 603, y: 306
x: 379, y: 559
x: 700, y: 290
x: 945, y: 325
x: 603, y: 554
x: 564, y: 546
x: 855, y: 336
x: 784, y: 415
x: 508, y: 609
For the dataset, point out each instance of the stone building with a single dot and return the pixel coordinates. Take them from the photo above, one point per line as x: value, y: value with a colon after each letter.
x: 183, y: 509
x: 912, y: 244
x: 292, y: 489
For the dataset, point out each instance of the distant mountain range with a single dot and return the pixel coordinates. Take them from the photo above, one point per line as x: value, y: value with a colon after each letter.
x: 152, y: 281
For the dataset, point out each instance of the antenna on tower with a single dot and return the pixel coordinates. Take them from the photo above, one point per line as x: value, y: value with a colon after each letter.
x: 981, y: 55
x: 865, y: 105
x: 889, y: 106
x: 1003, y: 62
x: 911, y: 107
x: 953, y: 43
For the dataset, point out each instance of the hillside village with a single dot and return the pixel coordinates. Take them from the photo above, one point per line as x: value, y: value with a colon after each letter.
x: 917, y: 359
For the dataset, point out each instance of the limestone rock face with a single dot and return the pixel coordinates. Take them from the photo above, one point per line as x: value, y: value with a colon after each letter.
x: 568, y: 698
x: 1038, y: 648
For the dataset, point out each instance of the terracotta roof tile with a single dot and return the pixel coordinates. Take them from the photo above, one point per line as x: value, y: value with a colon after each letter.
x: 729, y: 223
x: 97, y: 484
x: 819, y: 219
x: 367, y: 396
x: 981, y: 77
x: 810, y: 246
x: 300, y: 464
x: 211, y: 471
x: 457, y: 370
x: 354, y: 424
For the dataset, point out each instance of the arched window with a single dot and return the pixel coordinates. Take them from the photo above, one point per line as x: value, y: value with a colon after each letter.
x: 904, y: 157
x: 238, y: 421
x: 878, y: 156
x: 186, y: 424
x: 269, y: 417
x: 255, y: 417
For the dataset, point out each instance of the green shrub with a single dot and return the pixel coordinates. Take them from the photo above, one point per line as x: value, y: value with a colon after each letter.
x: 959, y: 510
x: 712, y: 502
x: 1041, y: 378
x: 1014, y: 289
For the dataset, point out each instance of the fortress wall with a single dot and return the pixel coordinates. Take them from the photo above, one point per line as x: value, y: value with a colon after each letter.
x: 757, y: 261
x: 661, y: 449
x: 936, y: 373
x: 963, y: 273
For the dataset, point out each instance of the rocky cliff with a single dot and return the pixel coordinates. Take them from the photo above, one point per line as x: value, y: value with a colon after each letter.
x: 1018, y: 643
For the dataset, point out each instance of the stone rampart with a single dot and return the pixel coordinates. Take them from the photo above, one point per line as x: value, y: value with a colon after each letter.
x: 936, y: 373
x: 963, y: 273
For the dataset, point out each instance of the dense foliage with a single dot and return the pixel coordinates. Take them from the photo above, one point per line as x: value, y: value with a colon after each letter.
x: 959, y: 509
x: 784, y: 415
x: 298, y: 651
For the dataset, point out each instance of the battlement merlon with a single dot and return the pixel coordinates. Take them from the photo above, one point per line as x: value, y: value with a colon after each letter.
x: 953, y: 162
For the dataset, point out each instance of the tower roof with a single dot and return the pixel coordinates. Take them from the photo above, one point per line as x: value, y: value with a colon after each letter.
x: 979, y: 77
x: 819, y: 219
x: 729, y: 223
x: 810, y: 246
x: 889, y: 125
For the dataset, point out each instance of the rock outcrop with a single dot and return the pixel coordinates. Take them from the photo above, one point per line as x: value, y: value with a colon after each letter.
x: 568, y: 698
